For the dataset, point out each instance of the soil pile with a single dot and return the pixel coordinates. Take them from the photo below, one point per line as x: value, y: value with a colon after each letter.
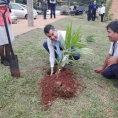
x: 114, y: 9
x: 62, y: 86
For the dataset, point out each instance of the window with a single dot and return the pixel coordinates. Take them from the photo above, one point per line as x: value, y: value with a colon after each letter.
x: 13, y: 6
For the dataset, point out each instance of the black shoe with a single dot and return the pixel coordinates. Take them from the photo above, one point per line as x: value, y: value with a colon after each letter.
x: 5, y: 62
x: 115, y: 85
x: 45, y: 18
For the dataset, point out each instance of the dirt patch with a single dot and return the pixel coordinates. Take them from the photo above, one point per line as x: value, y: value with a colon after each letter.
x: 63, y: 85
x: 114, y: 9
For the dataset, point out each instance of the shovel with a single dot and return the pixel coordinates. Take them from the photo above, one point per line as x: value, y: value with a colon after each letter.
x: 12, y: 59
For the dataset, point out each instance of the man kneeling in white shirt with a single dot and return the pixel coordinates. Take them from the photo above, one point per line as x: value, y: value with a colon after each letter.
x: 50, y: 45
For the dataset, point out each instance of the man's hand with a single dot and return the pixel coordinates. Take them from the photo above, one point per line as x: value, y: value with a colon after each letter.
x: 52, y: 71
x: 112, y: 61
x: 100, y: 70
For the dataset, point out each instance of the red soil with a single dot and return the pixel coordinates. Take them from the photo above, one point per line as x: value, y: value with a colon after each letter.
x: 114, y: 9
x: 62, y: 86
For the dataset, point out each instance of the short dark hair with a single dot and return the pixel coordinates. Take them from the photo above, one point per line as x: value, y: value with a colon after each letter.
x: 47, y: 28
x: 113, y: 25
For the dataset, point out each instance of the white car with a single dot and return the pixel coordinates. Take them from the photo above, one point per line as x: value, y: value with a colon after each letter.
x: 13, y: 18
x: 20, y: 10
x: 57, y: 11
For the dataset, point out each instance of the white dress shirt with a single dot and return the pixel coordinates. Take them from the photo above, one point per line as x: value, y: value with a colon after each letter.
x: 54, y: 2
x: 51, y: 44
x: 102, y: 10
x: 115, y: 49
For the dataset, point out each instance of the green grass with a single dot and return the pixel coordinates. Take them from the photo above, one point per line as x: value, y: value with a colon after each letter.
x: 19, y: 96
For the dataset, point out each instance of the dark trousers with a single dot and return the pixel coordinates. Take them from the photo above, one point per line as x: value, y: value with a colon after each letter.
x: 102, y: 15
x: 76, y: 57
x: 93, y: 15
x: 44, y: 13
x: 52, y: 11
x: 89, y: 15
x: 111, y: 72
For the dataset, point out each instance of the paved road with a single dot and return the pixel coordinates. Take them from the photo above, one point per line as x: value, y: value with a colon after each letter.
x: 22, y: 25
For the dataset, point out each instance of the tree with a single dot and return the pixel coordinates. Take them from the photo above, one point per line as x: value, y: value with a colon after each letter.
x: 30, y: 12
x: 24, y: 2
x: 68, y: 3
x: 86, y: 2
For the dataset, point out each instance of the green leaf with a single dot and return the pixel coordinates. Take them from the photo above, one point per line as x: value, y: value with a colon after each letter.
x: 90, y: 38
x: 80, y: 45
x: 73, y: 40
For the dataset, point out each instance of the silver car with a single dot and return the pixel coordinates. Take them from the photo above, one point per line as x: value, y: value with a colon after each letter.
x: 20, y: 10
x: 13, y: 18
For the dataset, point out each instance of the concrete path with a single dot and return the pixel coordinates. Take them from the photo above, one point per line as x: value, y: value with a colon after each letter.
x: 22, y: 25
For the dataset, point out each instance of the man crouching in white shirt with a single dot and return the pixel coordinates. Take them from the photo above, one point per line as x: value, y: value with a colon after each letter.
x: 50, y: 45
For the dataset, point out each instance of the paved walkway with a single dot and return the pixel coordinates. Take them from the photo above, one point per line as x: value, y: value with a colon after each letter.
x: 22, y: 25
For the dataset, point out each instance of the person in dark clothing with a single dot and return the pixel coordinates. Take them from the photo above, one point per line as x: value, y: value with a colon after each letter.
x: 95, y: 7
x: 74, y: 8
x: 52, y: 6
x: 44, y: 3
x: 90, y: 7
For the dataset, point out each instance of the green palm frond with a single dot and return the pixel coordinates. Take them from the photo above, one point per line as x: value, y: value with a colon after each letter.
x: 73, y: 40
x: 87, y: 52
x: 67, y: 61
x: 80, y: 45
x: 68, y: 36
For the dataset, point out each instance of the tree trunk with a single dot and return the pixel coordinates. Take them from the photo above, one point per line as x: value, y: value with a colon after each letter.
x: 68, y: 3
x: 30, y: 13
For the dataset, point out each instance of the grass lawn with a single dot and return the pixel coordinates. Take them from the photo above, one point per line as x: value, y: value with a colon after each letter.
x: 19, y: 97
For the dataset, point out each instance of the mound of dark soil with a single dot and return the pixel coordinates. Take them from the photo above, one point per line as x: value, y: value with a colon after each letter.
x: 63, y: 85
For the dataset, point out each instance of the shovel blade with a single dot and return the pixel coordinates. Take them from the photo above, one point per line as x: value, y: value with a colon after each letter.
x: 14, y: 67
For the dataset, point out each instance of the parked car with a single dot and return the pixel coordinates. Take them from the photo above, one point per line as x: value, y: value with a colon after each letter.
x: 78, y: 10
x: 20, y: 10
x: 13, y: 18
x: 57, y: 11
x: 39, y: 12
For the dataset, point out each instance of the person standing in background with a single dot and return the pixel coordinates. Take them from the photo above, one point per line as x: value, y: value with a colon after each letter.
x: 95, y: 7
x: 102, y: 12
x: 4, y: 44
x: 90, y: 7
x: 44, y: 3
x: 52, y: 6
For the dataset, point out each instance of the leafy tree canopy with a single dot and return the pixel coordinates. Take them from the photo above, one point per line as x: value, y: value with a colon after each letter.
x: 86, y: 2
x: 21, y: 1
x: 80, y: 2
